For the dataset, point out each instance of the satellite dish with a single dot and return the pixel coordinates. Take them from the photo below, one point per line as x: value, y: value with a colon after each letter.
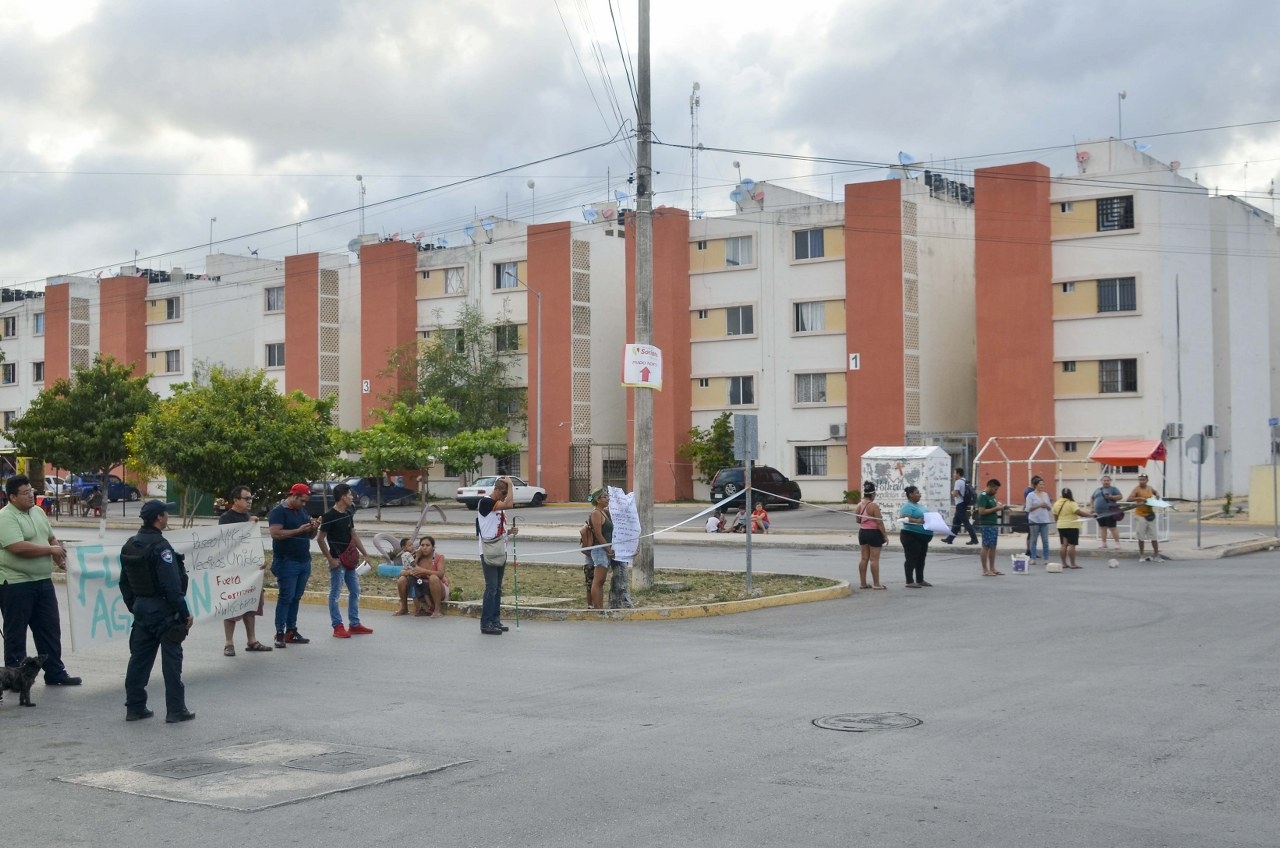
x: 442, y: 242
x: 1175, y: 165
x: 1082, y: 156
x: 758, y: 197
x: 748, y: 185
x: 699, y: 213
x: 354, y: 245
x: 737, y: 195
x: 609, y: 212
x: 895, y: 174
x: 487, y: 223
x: 470, y: 232
x: 905, y: 158
x: 620, y: 196
x: 589, y: 215
x: 419, y: 236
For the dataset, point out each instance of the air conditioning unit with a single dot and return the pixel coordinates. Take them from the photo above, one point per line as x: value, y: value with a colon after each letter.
x: 1211, y: 431
x: 1172, y: 431
x: 838, y: 431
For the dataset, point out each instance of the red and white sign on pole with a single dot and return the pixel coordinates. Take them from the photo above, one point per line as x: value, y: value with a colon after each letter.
x: 642, y: 367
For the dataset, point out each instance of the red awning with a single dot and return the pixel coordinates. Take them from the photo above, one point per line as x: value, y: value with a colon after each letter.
x: 1128, y: 451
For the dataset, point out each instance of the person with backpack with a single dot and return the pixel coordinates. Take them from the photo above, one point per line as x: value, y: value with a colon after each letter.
x: 963, y: 497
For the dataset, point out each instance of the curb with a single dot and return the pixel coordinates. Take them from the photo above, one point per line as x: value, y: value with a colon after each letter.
x: 471, y: 609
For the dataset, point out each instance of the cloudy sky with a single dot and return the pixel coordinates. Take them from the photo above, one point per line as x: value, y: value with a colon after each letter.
x: 127, y: 125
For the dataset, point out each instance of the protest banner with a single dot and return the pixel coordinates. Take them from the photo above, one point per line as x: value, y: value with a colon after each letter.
x: 224, y: 564
x: 626, y: 524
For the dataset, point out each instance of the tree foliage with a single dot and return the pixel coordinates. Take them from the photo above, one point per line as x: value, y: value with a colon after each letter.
x: 462, y: 367
x: 80, y: 423
x: 234, y: 428
x: 419, y: 435
x: 711, y: 449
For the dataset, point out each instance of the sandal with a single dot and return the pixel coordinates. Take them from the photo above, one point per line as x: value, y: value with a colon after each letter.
x: 257, y: 646
x: 229, y: 651
x: 400, y: 612
x: 421, y: 614
x: 879, y: 587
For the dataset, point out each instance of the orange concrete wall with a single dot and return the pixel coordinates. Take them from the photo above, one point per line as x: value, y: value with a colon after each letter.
x: 302, y: 323
x: 672, y: 475
x: 1014, y: 270
x: 388, y: 321
x: 122, y: 329
x: 550, y: 274
x: 873, y: 303
x: 57, y: 333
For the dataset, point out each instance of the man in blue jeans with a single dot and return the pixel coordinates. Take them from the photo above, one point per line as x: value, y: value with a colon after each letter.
x: 291, y: 533
x: 492, y: 533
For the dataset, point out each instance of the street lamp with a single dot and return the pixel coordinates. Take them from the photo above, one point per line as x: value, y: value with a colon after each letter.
x: 212, y: 221
x: 1120, y: 113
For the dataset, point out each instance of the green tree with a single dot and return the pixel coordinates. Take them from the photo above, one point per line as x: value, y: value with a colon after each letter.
x: 463, y: 367
x: 80, y: 423
x: 711, y: 449
x: 417, y: 436
x: 234, y: 428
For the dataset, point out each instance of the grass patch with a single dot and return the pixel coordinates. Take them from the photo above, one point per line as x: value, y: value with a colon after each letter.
x: 565, y: 581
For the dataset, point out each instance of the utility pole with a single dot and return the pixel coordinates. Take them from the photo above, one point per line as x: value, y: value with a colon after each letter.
x: 642, y: 458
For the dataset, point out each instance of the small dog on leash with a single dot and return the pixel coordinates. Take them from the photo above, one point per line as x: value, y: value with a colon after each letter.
x: 21, y: 678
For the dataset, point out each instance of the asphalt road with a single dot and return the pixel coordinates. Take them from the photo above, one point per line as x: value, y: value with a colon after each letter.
x: 1107, y: 707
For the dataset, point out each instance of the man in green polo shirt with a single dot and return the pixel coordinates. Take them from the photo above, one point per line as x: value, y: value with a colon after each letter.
x: 28, y: 553
x: 987, y: 515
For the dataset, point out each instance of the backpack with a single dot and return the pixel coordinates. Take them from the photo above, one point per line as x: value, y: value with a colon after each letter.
x: 970, y: 497
x: 586, y: 536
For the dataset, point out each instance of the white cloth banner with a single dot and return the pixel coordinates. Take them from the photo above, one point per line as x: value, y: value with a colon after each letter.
x: 935, y: 522
x: 225, y: 568
x: 626, y: 524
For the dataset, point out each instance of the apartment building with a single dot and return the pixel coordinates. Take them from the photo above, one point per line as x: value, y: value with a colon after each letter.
x: 1142, y: 308
x: 817, y: 316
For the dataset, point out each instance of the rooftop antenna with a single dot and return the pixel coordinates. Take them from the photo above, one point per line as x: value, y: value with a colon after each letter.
x: 360, y: 179
x: 695, y: 102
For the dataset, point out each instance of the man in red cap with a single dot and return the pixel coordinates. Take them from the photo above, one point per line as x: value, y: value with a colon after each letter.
x: 291, y: 533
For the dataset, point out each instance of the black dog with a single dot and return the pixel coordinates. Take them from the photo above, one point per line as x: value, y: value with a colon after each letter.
x: 20, y: 679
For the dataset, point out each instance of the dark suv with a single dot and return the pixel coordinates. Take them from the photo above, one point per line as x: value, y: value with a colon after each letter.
x: 768, y: 486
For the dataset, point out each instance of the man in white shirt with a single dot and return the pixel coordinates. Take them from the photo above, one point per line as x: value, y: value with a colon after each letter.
x: 961, y: 502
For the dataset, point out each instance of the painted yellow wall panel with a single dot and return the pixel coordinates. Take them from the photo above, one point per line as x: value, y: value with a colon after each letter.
x: 1083, y: 300
x: 432, y: 286
x: 833, y: 242
x: 1082, y: 218
x: 710, y: 259
x: 836, y: 388
x: 1082, y: 381
x: 712, y: 395
x: 523, y: 330
x: 714, y: 326
x: 837, y: 459
x: 157, y: 310
x: 834, y: 316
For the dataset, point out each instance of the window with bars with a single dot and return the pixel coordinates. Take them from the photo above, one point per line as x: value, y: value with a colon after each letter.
x: 504, y: 276
x: 507, y: 466
x: 737, y: 251
x: 809, y: 244
x: 453, y: 281
x: 1118, y: 294
x: 811, y: 388
x: 1115, y: 213
x: 810, y: 317
x: 811, y: 461
x: 740, y: 321
x: 1069, y: 366
x: 742, y: 391
x: 274, y: 297
x: 275, y: 355
x: 9, y: 373
x: 1117, y: 375
x: 506, y: 338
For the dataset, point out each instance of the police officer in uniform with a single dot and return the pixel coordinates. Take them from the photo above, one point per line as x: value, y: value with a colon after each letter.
x: 153, y: 583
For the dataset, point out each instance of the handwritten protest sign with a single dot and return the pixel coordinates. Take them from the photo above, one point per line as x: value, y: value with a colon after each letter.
x: 225, y: 568
x: 626, y: 524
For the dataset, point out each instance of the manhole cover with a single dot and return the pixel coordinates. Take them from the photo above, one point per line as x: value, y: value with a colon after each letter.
x: 340, y: 762
x: 860, y: 722
x: 181, y: 768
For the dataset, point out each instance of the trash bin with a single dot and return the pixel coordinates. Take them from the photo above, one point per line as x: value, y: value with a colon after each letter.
x: 1018, y: 522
